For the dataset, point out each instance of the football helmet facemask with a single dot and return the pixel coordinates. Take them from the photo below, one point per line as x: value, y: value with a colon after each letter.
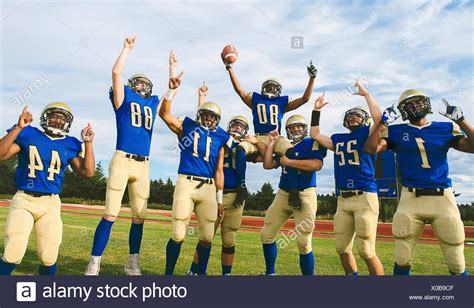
x: 271, y: 88
x: 414, y: 105
x: 296, y: 128
x: 209, y: 115
x: 238, y: 127
x: 141, y: 84
x: 356, y: 117
x: 56, y: 118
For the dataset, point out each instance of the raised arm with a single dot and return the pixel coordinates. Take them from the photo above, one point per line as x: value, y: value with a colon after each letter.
x: 117, y: 81
x: 375, y: 143
x: 219, y: 182
x: 202, y: 92
x: 165, y: 108
x: 268, y: 161
x: 454, y: 113
x: 374, y: 109
x: 8, y: 147
x: 85, y: 167
x: 312, y: 71
x: 314, y: 132
x: 244, y: 95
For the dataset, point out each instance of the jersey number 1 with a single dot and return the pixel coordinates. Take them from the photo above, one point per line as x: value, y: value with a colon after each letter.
x: 37, y: 164
x: 424, y: 158
x: 196, y: 144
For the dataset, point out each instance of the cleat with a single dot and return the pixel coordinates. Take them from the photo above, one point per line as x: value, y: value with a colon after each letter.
x: 132, y: 268
x: 93, y: 267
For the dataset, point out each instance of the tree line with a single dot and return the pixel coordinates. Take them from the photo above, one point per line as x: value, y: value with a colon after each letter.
x: 92, y: 191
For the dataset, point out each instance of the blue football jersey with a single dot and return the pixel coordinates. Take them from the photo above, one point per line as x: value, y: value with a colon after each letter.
x: 200, y: 149
x: 134, y: 120
x: 305, y: 149
x: 422, y: 152
x: 42, y: 160
x: 230, y: 170
x: 267, y: 112
x: 353, y: 168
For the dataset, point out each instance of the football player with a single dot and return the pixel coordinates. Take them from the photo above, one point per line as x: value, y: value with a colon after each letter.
x: 135, y: 108
x: 357, y: 203
x: 427, y: 196
x: 238, y: 128
x: 200, y: 181
x: 43, y: 156
x: 268, y: 108
x: 309, y: 159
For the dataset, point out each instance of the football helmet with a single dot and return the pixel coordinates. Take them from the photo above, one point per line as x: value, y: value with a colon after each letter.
x: 271, y: 88
x: 241, y: 125
x: 294, y: 134
x: 56, y: 118
x: 360, y: 112
x: 146, y: 90
x: 209, y: 109
x: 414, y: 104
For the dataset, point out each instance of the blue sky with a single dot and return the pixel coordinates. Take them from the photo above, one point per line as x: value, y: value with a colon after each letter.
x: 67, y: 50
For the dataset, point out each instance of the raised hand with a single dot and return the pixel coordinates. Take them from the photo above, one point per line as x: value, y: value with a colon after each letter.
x: 319, y: 103
x: 25, y: 118
x: 389, y: 115
x: 174, y: 82
x: 361, y: 90
x: 203, y: 90
x: 129, y: 42
x: 172, y: 60
x: 87, y: 133
x: 312, y: 71
x: 452, y: 112
x: 273, y: 135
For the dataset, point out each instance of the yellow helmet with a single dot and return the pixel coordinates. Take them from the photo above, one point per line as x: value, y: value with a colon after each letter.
x: 132, y: 82
x: 244, y: 125
x: 296, y: 120
x: 54, y: 108
x: 277, y: 90
x: 414, y: 104
x: 360, y: 111
x: 213, y: 109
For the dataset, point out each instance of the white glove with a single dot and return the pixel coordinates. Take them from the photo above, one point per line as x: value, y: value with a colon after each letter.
x: 452, y: 112
x: 389, y: 115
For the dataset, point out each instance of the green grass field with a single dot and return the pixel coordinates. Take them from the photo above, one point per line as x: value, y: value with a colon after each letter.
x: 79, y: 231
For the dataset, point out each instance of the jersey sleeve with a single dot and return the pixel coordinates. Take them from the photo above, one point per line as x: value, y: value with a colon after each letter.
x: 77, y: 148
x: 457, y: 135
x: 23, y: 136
x: 285, y: 101
x: 187, y: 125
x: 317, y: 151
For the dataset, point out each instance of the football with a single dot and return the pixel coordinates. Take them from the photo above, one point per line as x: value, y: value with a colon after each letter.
x: 229, y: 54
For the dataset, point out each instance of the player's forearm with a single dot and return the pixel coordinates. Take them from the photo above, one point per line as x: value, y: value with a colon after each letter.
x: 219, y: 180
x: 88, y: 165
x: 236, y: 85
x: 7, y: 141
x: 315, y: 134
x: 373, y: 140
x: 120, y: 62
x: 469, y: 131
x: 201, y: 100
x: 374, y: 109
x: 309, y: 165
x: 307, y: 92
x: 262, y: 148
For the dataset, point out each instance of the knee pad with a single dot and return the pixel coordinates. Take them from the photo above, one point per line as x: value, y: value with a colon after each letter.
x: 265, y: 236
x: 449, y: 230
x: 401, y: 226
x: 365, y: 248
x: 403, y: 253
x: 228, y: 250
x: 454, y: 255
x: 228, y: 238
x: 304, y: 243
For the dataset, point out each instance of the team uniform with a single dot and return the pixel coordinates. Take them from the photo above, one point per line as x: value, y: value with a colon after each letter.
x: 129, y: 166
x: 357, y: 203
x: 280, y: 210
x: 267, y: 115
x: 195, y: 189
x: 39, y: 176
x: 427, y: 196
